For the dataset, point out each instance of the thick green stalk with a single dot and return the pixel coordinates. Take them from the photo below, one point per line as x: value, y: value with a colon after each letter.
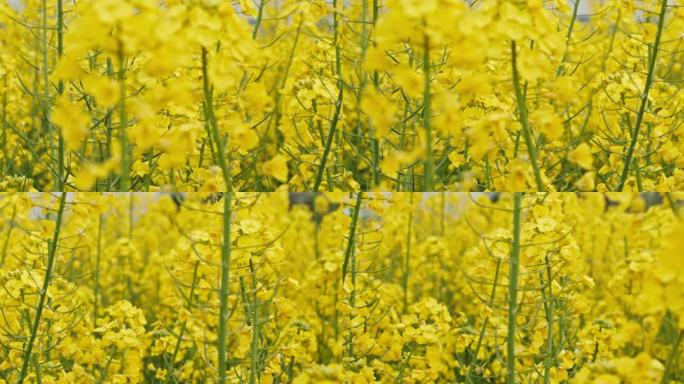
x: 46, y: 96
x: 402, y: 185
x: 376, y: 11
x: 35, y: 107
x: 549, y: 312
x: 522, y: 114
x: 352, y: 291
x: 60, y: 88
x: 352, y: 234
x: 224, y: 289
x: 644, y: 97
x: 338, y: 103
x: 255, y: 328
x: 428, y: 163
x: 329, y: 140
x: 513, y: 289
x: 372, y: 138
x: 260, y: 16
x: 52, y: 250
x: 213, y: 125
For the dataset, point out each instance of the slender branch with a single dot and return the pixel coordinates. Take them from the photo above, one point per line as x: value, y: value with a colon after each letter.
x: 513, y: 289
x: 224, y: 289
x: 96, y: 273
x: 123, y: 124
x: 352, y: 234
x: 60, y: 88
x: 338, y: 104
x: 549, y: 312
x: 644, y: 98
x: 253, y: 372
x: 46, y: 97
x: 428, y: 164
x: 260, y: 16
x: 568, y: 36
x: 672, y: 358
x: 405, y: 277
x: 522, y: 114
x: 480, y: 338
x: 52, y: 248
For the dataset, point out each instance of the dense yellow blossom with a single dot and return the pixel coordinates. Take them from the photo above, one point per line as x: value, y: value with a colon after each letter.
x: 410, y: 95
x: 371, y: 288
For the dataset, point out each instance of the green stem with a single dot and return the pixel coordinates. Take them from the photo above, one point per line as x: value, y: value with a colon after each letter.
x: 513, y: 289
x: 480, y: 338
x: 374, y: 141
x: 573, y: 19
x: 549, y: 309
x: 46, y: 97
x: 96, y: 274
x: 352, y: 234
x: 405, y: 278
x: 260, y: 16
x: 255, y: 328
x: 277, y: 110
x: 254, y: 353
x: 672, y: 358
x: 522, y: 114
x: 9, y: 235
x: 176, y: 349
x: 352, y: 291
x: 352, y: 305
x: 109, y: 124
x: 637, y: 169
x: 4, y: 130
x: 644, y: 98
x: 60, y: 89
x: 123, y: 124
x: 224, y: 289
x: 52, y: 247
x: 673, y: 204
x: 338, y: 104
x: 428, y: 164
x: 213, y: 125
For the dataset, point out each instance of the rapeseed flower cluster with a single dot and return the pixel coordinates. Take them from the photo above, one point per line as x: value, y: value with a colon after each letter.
x: 206, y: 191
x: 353, y: 288
x: 410, y: 95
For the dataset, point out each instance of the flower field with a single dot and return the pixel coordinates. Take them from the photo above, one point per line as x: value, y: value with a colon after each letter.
x: 353, y: 288
x: 362, y: 95
x: 341, y: 191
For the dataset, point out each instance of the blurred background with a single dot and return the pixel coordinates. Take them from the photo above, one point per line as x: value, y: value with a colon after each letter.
x: 583, y: 9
